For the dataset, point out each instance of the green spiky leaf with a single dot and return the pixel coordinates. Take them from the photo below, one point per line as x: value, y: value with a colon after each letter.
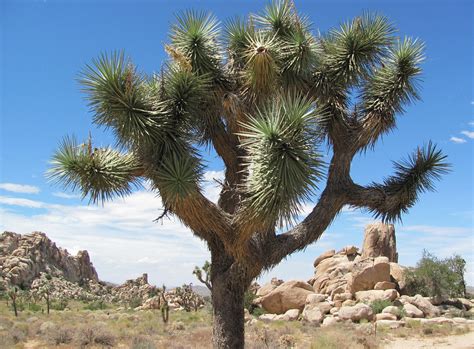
x: 100, y: 173
x: 283, y: 164
x: 116, y: 95
x: 412, y: 176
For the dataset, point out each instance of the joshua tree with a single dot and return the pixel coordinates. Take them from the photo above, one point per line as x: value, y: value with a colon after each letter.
x: 44, y: 289
x: 267, y: 95
x: 13, y: 294
x: 204, y: 274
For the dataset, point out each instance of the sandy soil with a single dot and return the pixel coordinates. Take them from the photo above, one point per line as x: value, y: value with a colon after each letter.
x: 464, y: 341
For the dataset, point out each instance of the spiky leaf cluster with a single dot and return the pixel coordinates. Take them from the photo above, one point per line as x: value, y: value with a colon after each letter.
x: 282, y: 161
x: 412, y: 177
x: 393, y: 85
x: 100, y: 173
x: 116, y: 95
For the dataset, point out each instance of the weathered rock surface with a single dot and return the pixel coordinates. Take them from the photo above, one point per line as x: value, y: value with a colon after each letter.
x: 289, y: 295
x: 412, y: 311
x: 379, y: 240
x: 24, y: 257
x: 376, y: 295
x: 269, y: 287
x: 356, y: 313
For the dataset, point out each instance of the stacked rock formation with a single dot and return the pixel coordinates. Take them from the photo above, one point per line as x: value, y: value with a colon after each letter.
x: 24, y: 257
x: 347, y: 282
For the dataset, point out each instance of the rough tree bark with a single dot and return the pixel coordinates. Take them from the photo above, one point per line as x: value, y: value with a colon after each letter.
x: 229, y: 283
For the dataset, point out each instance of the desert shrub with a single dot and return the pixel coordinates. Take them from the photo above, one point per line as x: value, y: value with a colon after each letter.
x: 434, y: 277
x: 60, y: 335
x: 34, y: 307
x: 91, y: 335
x: 249, y: 297
x: 257, y: 311
x: 96, y: 305
x: 59, y: 304
x: 18, y: 332
x: 135, y: 302
x: 142, y: 343
x: 379, y: 305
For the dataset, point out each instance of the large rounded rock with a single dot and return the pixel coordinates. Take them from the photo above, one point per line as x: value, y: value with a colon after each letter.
x: 398, y: 275
x: 325, y: 255
x: 366, y: 274
x: 356, y: 313
x: 269, y: 287
x: 376, y: 295
x: 289, y: 295
x: 412, y: 311
x: 379, y: 240
x: 425, y: 306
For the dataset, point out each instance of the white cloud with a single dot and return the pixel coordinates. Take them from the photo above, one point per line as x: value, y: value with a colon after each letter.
x: 21, y: 202
x: 469, y: 134
x: 437, y: 230
x: 66, y: 195
x: 20, y: 188
x: 457, y: 140
x: 471, y: 123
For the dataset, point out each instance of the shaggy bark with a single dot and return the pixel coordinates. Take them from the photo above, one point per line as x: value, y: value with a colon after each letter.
x: 229, y: 282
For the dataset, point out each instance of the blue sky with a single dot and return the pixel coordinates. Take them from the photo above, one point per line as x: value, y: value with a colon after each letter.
x: 44, y: 45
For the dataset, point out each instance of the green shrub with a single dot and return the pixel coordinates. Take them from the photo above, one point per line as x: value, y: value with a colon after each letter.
x: 34, y: 307
x: 95, y: 305
x: 135, y: 302
x: 59, y: 304
x: 379, y: 305
x: 249, y: 297
x: 257, y: 311
x: 434, y: 277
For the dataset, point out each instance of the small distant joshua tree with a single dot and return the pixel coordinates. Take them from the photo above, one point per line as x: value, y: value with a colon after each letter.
x: 266, y: 94
x: 204, y: 274
x: 44, y: 289
x: 187, y: 298
x: 165, y: 308
x: 13, y: 294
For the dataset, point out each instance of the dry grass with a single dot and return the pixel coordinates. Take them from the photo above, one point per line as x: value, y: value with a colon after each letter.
x: 119, y: 328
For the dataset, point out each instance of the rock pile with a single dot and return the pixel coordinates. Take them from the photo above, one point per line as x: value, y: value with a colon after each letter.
x: 24, y: 257
x: 347, y: 282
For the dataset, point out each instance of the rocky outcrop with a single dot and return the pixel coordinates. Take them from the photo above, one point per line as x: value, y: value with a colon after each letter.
x: 379, y: 240
x: 24, y: 257
x: 289, y: 295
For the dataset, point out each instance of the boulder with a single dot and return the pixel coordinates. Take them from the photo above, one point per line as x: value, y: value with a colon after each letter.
x: 267, y: 317
x: 392, y: 310
x: 384, y: 285
x: 393, y: 324
x: 292, y: 314
x: 330, y: 320
x: 312, y: 315
x: 376, y: 295
x: 366, y: 275
x: 385, y: 316
x: 269, y: 287
x: 425, y: 306
x: 316, y: 298
x: 323, y: 256
x: 356, y: 313
x: 397, y: 274
x: 412, y: 311
x: 379, y: 240
x: 349, y: 250
x: 289, y: 295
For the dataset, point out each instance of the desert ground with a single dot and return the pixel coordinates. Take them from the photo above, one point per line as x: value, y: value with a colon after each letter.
x: 78, y: 327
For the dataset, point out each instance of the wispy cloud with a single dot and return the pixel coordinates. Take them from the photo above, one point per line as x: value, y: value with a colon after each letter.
x: 21, y: 202
x: 62, y: 195
x: 457, y: 140
x: 471, y: 123
x: 469, y: 134
x: 437, y: 230
x: 19, y: 188
x: 121, y: 236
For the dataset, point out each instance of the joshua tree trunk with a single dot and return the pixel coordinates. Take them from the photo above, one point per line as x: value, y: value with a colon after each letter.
x: 229, y: 282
